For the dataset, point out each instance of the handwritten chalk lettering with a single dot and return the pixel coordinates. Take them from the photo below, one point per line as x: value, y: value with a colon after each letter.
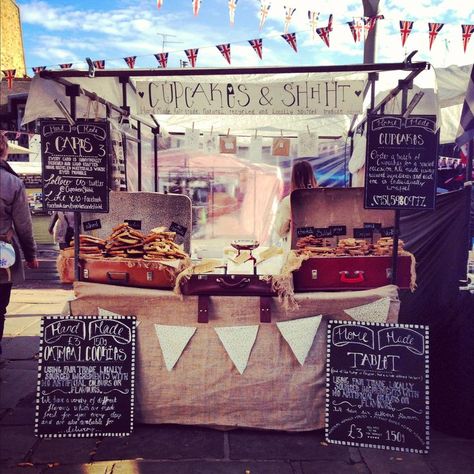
x: 343, y: 335
x: 391, y: 200
x: 402, y: 337
x: 119, y: 331
x: 323, y: 232
x: 304, y: 231
x: 54, y: 331
x: 373, y: 361
x: 338, y: 230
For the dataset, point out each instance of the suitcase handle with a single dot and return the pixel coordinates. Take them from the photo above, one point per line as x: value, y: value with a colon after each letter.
x: 238, y: 284
x: 357, y: 278
x: 117, y: 277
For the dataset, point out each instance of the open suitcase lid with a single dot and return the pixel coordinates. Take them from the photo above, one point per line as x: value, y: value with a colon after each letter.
x: 324, y: 207
x: 151, y: 209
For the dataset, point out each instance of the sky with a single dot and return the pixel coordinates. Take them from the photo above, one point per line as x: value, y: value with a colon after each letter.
x: 63, y: 31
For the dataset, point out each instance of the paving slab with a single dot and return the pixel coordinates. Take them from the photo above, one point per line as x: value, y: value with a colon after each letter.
x: 16, y: 384
x: 20, y: 347
x: 19, y: 416
x: 25, y: 364
x: 334, y: 467
x: 15, y: 444
x: 64, y: 451
x: 21, y: 470
x: 164, y: 442
x: 248, y: 444
x: 393, y: 462
x: 16, y: 325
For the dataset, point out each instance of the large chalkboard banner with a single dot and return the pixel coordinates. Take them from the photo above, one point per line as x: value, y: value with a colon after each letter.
x: 86, y: 376
x: 75, y: 165
x: 401, y: 162
x: 378, y: 386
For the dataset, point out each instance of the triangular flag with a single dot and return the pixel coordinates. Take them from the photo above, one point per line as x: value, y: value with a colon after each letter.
x: 99, y: 64
x: 290, y: 38
x: 313, y: 22
x: 467, y: 31
x: 376, y: 312
x: 159, y: 3
x: 405, y: 30
x: 9, y: 76
x: 225, y: 51
x: 288, y: 16
x: 192, y: 55
x: 299, y: 334
x: 355, y: 33
x: 324, y: 34
x: 38, y: 69
x: 257, y: 45
x: 433, y: 30
x: 65, y: 66
x: 105, y: 313
x: 264, y: 9
x: 238, y: 342
x: 162, y: 58
x: 173, y: 340
x: 196, y: 7
x: 130, y: 60
x: 232, y: 8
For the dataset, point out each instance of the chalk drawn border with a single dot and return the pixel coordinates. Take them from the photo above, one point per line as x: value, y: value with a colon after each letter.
x: 132, y: 378
x: 334, y: 322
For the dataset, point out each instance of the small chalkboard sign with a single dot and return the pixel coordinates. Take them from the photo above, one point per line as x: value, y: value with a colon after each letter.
x: 363, y: 233
x: 323, y: 232
x: 401, y: 162
x: 86, y: 376
x: 387, y: 231
x: 134, y: 224
x: 378, y: 386
x: 304, y: 231
x: 75, y: 165
x: 338, y: 230
x: 178, y: 228
x: 92, y: 225
x: 373, y: 225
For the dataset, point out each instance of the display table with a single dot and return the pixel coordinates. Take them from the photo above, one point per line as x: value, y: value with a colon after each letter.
x: 205, y: 388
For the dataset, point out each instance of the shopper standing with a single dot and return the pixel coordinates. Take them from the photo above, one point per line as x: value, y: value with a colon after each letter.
x: 15, y: 228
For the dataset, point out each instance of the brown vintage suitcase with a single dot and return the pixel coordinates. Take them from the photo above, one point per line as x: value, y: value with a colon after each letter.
x: 325, y: 207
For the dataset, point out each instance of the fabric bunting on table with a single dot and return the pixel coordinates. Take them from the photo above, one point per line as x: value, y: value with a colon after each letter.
x: 105, y: 313
x: 196, y: 7
x: 130, y: 60
x: 232, y: 8
x: 99, y: 64
x: 162, y: 59
x: 288, y: 16
x: 257, y: 45
x: 405, y: 30
x: 264, y: 9
x: 300, y: 334
x: 467, y: 31
x: 66, y: 66
x: 224, y: 49
x: 313, y: 22
x: 9, y: 77
x: 192, y: 55
x: 376, y: 312
x: 433, y: 30
x: 238, y: 342
x: 173, y: 340
x: 38, y: 69
x: 290, y: 38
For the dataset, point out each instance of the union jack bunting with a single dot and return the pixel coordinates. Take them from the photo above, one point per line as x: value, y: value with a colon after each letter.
x: 225, y: 51
x: 466, y: 127
x: 192, y: 55
x: 371, y: 21
x: 65, y: 66
x: 38, y: 69
x: 434, y: 29
x: 162, y: 58
x: 330, y: 22
x: 290, y: 38
x: 288, y: 16
x: 355, y: 28
x: 232, y: 7
x: 99, y: 64
x: 264, y: 9
x: 467, y: 31
x: 130, y: 60
x: 257, y: 45
x: 324, y: 34
x: 405, y: 30
x: 196, y: 6
x: 313, y: 22
x: 159, y: 3
x: 9, y: 76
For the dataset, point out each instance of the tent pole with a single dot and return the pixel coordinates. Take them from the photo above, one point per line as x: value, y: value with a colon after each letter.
x: 155, y: 132
x: 139, y: 155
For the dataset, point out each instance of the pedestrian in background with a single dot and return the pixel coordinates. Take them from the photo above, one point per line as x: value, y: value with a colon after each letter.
x: 61, y: 228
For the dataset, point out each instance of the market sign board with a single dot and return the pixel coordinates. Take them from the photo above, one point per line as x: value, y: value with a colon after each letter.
x: 75, y: 165
x: 401, y: 162
x: 377, y: 386
x: 273, y: 98
x: 86, y: 376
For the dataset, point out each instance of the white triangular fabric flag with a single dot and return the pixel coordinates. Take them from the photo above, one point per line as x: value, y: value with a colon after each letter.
x: 173, y: 340
x: 238, y: 341
x: 299, y: 334
x: 376, y: 312
x: 104, y: 313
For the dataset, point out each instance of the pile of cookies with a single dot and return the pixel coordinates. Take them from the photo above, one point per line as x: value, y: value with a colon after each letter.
x: 124, y: 242
x: 89, y: 246
x: 384, y: 246
x: 159, y: 244
x: 353, y: 247
x: 312, y: 241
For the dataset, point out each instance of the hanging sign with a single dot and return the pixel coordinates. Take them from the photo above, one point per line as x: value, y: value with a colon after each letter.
x: 86, y: 376
x: 401, y: 162
x: 239, y: 98
x: 75, y: 165
x: 378, y: 386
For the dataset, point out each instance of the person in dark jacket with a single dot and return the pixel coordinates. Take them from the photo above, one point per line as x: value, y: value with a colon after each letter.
x: 15, y: 228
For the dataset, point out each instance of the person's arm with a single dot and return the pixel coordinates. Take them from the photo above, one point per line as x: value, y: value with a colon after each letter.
x: 283, y: 218
x: 52, y: 222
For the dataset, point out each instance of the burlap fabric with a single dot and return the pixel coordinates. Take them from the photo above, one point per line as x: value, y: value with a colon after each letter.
x: 204, y: 388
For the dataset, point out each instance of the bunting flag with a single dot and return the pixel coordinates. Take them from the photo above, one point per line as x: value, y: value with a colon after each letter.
x: 288, y: 16
x: 162, y: 59
x: 232, y: 7
x: 130, y: 60
x: 196, y: 7
x: 355, y: 28
x: 300, y: 334
x: 173, y: 340
x: 371, y: 21
x: 264, y: 9
x: 313, y: 22
x: 38, y: 69
x: 405, y: 30
x: 434, y: 29
x: 159, y: 3
x: 9, y: 76
x: 467, y: 31
x: 238, y: 342
x: 192, y: 138
x: 330, y: 22
x: 257, y: 45
x: 376, y: 312
x: 224, y: 49
x: 466, y: 126
x: 65, y: 66
x: 290, y: 38
x: 105, y: 313
x: 192, y: 55
x: 99, y: 64
x: 324, y: 34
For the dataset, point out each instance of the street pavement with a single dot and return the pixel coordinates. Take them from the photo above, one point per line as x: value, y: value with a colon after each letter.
x: 172, y: 449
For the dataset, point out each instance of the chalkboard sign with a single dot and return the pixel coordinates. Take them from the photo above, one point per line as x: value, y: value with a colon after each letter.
x: 178, y: 228
x: 378, y: 386
x: 401, y: 162
x: 387, y: 231
x: 363, y: 233
x: 323, y: 232
x: 92, y: 225
x: 134, y: 224
x: 75, y: 165
x: 31, y: 180
x: 338, y: 230
x: 86, y: 376
x: 373, y: 225
x: 304, y: 231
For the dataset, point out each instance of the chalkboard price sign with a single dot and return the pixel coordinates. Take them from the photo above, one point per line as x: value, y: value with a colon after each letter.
x: 373, y: 225
x: 401, y: 162
x: 134, y: 224
x: 92, y: 225
x: 86, y: 376
x: 323, y: 232
x: 387, y: 231
x: 304, y: 231
x: 75, y: 165
x: 178, y: 228
x: 338, y: 230
x: 378, y: 386
x: 363, y: 233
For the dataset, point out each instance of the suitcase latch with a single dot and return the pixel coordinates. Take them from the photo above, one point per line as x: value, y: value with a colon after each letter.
x: 149, y: 276
x: 86, y: 274
x: 314, y: 274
